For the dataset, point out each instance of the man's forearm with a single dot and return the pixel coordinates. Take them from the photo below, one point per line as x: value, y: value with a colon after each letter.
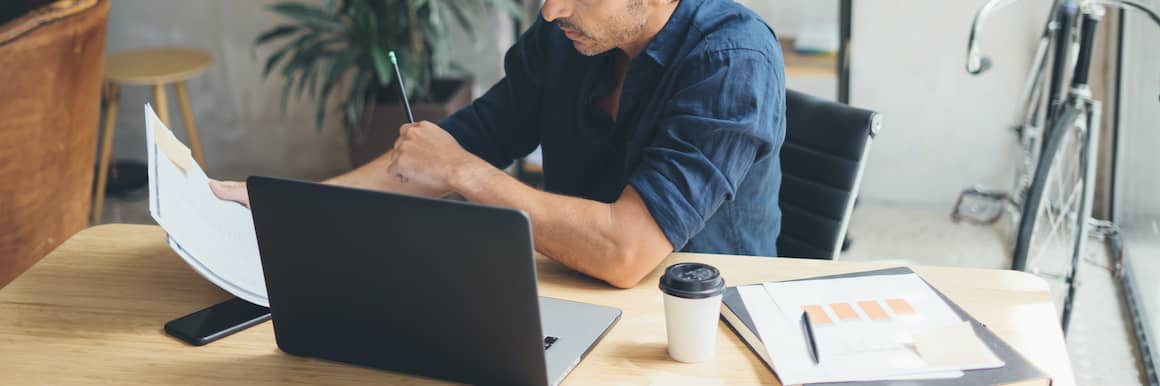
x: 595, y: 238
x: 375, y: 176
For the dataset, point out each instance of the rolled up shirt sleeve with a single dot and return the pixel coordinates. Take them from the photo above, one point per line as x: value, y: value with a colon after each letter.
x: 499, y: 126
x: 720, y: 121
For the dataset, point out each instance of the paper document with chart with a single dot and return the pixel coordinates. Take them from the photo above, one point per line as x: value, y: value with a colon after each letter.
x: 865, y: 329
x: 214, y: 237
x: 874, y: 328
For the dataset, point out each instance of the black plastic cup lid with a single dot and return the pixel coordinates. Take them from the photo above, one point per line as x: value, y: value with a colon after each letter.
x: 692, y: 281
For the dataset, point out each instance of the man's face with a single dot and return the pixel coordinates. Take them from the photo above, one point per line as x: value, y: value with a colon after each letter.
x: 597, y: 26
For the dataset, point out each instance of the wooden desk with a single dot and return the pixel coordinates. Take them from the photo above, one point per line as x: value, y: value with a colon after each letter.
x: 93, y: 311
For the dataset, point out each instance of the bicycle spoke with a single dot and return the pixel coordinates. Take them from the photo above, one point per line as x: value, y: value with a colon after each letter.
x: 1063, y: 220
x: 1051, y: 244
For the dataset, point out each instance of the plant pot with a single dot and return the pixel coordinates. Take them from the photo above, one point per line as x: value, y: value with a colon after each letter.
x: 382, y: 120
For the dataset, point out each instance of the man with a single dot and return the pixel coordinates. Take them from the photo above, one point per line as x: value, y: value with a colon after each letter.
x: 660, y: 121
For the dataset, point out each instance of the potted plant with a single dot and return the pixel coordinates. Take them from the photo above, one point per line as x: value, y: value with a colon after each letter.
x: 349, y: 39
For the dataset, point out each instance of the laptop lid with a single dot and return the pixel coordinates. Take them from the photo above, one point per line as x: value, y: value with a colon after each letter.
x: 421, y: 286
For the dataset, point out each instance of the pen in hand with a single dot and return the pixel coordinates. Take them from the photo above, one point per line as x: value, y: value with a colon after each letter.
x: 402, y: 88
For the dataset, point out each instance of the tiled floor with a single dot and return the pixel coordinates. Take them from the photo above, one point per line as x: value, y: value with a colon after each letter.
x: 1101, y: 346
x: 1100, y: 342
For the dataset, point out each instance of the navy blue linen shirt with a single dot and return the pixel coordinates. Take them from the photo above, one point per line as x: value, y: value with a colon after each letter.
x: 698, y: 133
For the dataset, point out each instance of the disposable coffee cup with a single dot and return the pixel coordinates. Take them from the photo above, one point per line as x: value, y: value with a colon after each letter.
x: 692, y: 302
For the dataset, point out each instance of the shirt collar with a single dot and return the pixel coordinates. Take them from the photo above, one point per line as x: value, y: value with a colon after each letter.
x: 664, y: 46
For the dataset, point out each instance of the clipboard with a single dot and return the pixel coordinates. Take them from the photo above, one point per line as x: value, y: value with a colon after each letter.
x: 1017, y: 369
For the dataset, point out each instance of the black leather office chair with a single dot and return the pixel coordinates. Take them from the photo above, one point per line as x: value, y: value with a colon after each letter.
x: 822, y: 162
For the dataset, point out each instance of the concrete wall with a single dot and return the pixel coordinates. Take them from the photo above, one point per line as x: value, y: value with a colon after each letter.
x: 1138, y: 189
x: 238, y: 113
x: 943, y: 128
x: 789, y: 16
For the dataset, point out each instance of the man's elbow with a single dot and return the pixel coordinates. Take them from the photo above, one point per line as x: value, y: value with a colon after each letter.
x: 629, y: 268
x: 624, y: 282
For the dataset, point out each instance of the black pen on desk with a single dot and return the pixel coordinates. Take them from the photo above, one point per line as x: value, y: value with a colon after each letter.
x: 811, y: 340
x: 402, y: 88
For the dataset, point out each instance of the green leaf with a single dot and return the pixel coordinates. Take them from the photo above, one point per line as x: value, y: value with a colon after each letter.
x: 286, y: 94
x: 273, y: 60
x: 293, y: 46
x: 295, y: 49
x: 382, y: 64
x: 308, y: 72
x: 333, y: 74
x: 314, y: 82
x: 311, y: 17
x: 363, y: 16
x: 330, y: 40
x: 334, y: 71
x: 357, y: 101
x: 275, y: 33
x: 464, y: 20
x: 309, y: 53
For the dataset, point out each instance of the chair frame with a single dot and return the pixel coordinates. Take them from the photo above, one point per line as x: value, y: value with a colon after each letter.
x: 875, y: 126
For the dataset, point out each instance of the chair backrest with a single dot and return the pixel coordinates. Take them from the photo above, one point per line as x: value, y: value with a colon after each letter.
x: 822, y: 162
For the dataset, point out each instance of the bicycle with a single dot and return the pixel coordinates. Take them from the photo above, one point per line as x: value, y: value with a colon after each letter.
x: 1055, y: 204
x: 986, y: 205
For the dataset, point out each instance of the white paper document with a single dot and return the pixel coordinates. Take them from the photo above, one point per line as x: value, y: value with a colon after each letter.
x: 214, y: 237
x: 865, y: 328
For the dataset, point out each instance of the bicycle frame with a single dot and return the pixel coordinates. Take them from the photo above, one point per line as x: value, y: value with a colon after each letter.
x: 1040, y: 98
x: 1072, y: 119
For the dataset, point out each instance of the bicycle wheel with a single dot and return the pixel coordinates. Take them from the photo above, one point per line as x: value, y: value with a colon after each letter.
x: 1053, y: 227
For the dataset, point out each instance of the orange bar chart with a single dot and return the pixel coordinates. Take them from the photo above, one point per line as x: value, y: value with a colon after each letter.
x: 874, y: 310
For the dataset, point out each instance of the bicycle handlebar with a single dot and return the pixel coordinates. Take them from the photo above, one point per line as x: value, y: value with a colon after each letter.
x: 976, y: 62
x: 1130, y: 4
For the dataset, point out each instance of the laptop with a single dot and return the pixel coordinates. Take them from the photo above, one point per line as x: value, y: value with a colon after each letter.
x: 437, y: 288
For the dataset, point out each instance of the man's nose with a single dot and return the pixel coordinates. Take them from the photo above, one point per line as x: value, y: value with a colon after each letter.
x: 557, y: 9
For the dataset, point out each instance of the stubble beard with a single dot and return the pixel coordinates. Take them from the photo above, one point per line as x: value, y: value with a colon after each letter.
x: 620, y: 30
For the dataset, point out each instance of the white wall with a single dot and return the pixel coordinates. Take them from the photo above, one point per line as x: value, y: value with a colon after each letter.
x: 788, y: 16
x: 1138, y: 190
x: 943, y: 129
x: 238, y: 113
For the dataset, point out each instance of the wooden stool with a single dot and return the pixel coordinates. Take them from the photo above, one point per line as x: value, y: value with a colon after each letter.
x: 149, y: 67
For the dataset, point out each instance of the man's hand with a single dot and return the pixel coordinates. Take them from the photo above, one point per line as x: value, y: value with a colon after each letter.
x: 230, y: 191
x: 423, y: 162
x: 427, y: 156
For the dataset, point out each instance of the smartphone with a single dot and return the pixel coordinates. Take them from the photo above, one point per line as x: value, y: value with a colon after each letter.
x: 216, y: 322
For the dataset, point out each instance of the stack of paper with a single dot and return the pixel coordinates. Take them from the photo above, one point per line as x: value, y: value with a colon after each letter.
x: 872, y: 328
x: 214, y: 237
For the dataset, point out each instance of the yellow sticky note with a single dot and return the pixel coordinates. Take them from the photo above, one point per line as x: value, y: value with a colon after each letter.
x: 169, y: 145
x: 954, y: 346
